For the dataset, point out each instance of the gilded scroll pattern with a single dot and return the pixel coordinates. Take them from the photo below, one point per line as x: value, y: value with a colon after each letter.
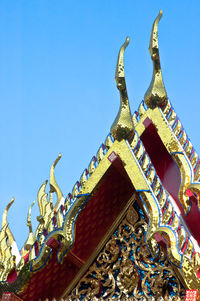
x: 125, y: 269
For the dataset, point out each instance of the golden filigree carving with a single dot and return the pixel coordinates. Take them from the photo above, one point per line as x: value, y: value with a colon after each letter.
x: 123, y: 124
x: 156, y: 94
x: 125, y: 270
x: 129, y: 299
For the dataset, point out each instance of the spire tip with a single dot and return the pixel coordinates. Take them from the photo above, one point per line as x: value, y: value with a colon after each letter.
x: 156, y: 94
x: 123, y: 124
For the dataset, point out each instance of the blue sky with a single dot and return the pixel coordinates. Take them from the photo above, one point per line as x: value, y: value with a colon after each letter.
x: 57, y: 87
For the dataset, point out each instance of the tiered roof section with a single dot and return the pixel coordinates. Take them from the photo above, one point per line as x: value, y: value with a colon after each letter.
x: 129, y: 228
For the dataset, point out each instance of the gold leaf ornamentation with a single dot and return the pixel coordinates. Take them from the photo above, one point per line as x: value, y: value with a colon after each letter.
x: 123, y: 124
x: 156, y: 94
x: 125, y: 269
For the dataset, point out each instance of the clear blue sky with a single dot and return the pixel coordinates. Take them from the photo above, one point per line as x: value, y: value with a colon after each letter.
x: 57, y: 88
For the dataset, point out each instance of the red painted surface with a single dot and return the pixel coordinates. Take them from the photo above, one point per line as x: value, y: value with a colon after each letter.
x: 12, y: 276
x: 52, y: 243
x: 162, y: 161
x: 169, y: 175
x: 198, y: 273
x: 105, y: 205
x: 99, y: 214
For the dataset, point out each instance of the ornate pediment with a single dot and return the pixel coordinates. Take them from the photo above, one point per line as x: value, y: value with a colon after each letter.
x: 125, y: 269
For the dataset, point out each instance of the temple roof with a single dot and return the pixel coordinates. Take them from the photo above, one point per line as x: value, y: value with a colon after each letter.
x: 147, y: 157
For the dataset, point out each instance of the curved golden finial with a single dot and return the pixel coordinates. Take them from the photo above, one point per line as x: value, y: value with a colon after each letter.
x: 31, y: 239
x: 123, y: 124
x: 42, y: 203
x: 53, y: 185
x: 156, y: 94
x: 29, y: 216
x: 5, y: 221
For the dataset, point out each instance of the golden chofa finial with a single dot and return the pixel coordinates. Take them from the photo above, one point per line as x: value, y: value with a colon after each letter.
x: 5, y: 222
x: 42, y: 201
x: 31, y: 239
x: 123, y: 124
x: 156, y: 94
x: 53, y: 184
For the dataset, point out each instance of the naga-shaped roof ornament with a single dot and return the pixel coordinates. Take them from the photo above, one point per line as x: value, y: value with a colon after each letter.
x: 42, y: 201
x: 46, y: 206
x: 123, y: 125
x: 31, y: 239
x: 7, y: 258
x: 5, y: 222
x: 53, y: 184
x: 156, y: 94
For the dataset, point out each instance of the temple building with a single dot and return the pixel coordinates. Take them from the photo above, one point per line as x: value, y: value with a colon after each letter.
x: 130, y: 229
